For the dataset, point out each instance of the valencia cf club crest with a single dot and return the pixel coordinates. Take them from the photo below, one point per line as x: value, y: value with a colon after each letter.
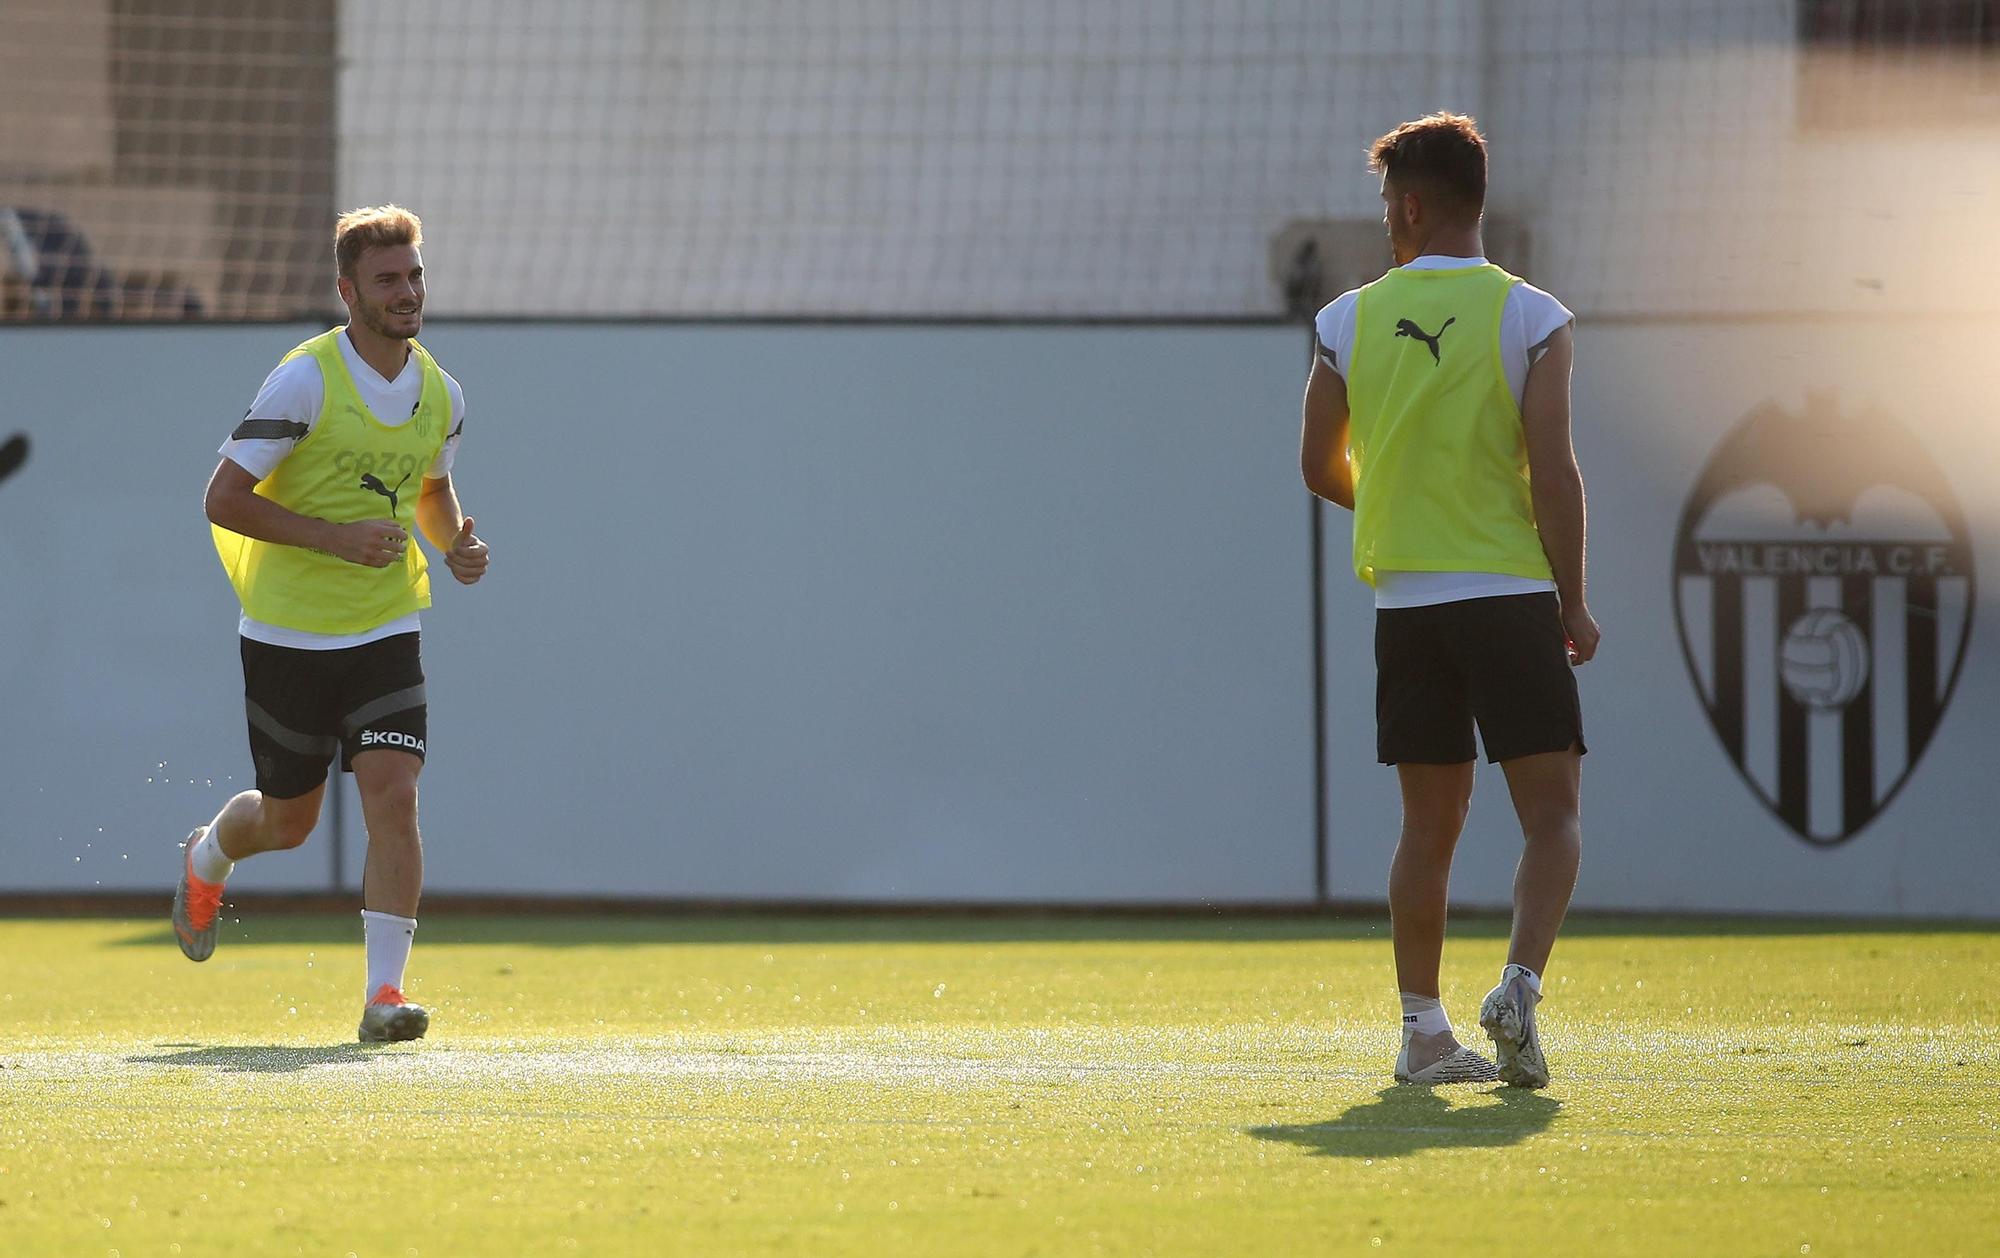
x: 1823, y: 588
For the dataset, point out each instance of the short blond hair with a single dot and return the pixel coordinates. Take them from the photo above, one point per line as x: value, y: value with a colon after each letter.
x: 371, y: 226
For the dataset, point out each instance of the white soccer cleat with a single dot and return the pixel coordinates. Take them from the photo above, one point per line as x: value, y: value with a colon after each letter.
x: 1508, y: 1014
x: 1461, y: 1065
x: 389, y: 1018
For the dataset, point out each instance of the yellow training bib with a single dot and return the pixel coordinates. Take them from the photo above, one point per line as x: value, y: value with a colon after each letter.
x: 1434, y: 437
x: 350, y: 466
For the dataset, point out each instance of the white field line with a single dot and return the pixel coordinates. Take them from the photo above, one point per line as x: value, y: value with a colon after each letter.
x: 1874, y: 1056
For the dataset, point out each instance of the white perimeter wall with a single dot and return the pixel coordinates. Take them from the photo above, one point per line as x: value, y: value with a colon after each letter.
x: 928, y: 613
x: 1668, y: 823
x: 785, y: 611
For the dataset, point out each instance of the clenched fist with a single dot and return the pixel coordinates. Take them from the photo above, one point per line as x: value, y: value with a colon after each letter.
x: 467, y: 557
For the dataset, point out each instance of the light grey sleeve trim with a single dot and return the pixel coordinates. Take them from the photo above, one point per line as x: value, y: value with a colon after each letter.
x: 376, y: 709
x: 1541, y: 347
x: 1333, y: 331
x: 1541, y: 317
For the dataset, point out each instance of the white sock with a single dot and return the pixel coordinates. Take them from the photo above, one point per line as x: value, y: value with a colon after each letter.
x: 1534, y: 979
x: 1424, y: 1015
x: 209, y: 864
x: 387, y: 939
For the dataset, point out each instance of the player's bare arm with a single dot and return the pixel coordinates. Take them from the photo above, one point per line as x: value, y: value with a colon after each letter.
x: 450, y: 530
x: 1323, y: 444
x: 233, y: 502
x: 1558, y: 484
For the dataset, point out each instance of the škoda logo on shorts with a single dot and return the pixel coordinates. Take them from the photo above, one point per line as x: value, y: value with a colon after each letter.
x: 392, y: 738
x: 1823, y: 589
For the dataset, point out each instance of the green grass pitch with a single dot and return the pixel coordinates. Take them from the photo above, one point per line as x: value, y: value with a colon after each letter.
x: 977, y: 1085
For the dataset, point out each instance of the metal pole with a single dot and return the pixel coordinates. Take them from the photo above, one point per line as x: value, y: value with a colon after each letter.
x: 336, y: 824
x: 1321, y: 892
x: 1317, y: 549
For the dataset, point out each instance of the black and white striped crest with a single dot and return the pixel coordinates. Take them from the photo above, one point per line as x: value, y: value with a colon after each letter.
x: 1823, y: 589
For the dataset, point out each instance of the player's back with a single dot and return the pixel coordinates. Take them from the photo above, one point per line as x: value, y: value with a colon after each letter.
x: 1435, y: 443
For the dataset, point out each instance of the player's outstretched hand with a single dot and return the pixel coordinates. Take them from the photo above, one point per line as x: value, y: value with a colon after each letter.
x: 371, y: 543
x: 467, y: 556
x: 1583, y: 633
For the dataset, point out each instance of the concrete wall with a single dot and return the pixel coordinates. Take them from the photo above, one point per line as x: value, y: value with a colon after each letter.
x: 789, y: 612
x: 938, y: 613
x: 1669, y: 822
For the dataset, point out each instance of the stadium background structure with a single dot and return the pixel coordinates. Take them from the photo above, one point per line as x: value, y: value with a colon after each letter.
x: 941, y: 255
x: 953, y: 353
x: 1657, y: 158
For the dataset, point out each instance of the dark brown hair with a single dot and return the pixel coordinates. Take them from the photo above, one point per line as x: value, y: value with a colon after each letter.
x: 1441, y: 156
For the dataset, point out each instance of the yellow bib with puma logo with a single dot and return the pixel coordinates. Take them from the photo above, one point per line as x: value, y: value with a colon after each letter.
x: 349, y: 466
x: 1434, y: 434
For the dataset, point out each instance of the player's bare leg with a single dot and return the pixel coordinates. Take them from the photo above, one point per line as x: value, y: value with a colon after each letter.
x: 253, y: 822
x: 250, y: 823
x: 1547, y: 794
x: 1547, y: 791
x: 1435, y: 800
x: 392, y: 882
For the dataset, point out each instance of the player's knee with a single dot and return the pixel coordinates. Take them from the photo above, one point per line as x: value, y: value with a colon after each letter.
x: 393, y: 793
x: 1426, y: 848
x: 1551, y: 824
x: 289, y: 829
x: 1439, y: 822
x: 280, y: 824
x: 245, y: 808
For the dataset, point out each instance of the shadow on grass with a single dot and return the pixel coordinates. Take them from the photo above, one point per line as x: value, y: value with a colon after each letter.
x: 266, y: 1059
x: 251, y: 925
x: 1404, y: 1119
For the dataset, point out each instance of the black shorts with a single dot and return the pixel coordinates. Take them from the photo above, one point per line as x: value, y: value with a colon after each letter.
x: 1500, y: 662
x: 305, y: 705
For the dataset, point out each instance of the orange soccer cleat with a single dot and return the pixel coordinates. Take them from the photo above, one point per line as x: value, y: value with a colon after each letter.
x: 197, y: 907
x: 389, y: 1018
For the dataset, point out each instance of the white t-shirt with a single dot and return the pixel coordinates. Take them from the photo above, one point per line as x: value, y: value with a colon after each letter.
x: 294, y: 393
x: 1527, y: 321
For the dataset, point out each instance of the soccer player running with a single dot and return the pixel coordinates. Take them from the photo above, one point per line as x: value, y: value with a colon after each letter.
x: 347, y: 449
x: 1438, y: 411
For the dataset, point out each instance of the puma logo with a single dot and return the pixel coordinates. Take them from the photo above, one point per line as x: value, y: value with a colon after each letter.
x: 1406, y: 328
x: 374, y: 484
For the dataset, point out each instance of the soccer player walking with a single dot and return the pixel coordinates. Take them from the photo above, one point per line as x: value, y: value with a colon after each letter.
x: 1438, y: 411
x: 345, y: 452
